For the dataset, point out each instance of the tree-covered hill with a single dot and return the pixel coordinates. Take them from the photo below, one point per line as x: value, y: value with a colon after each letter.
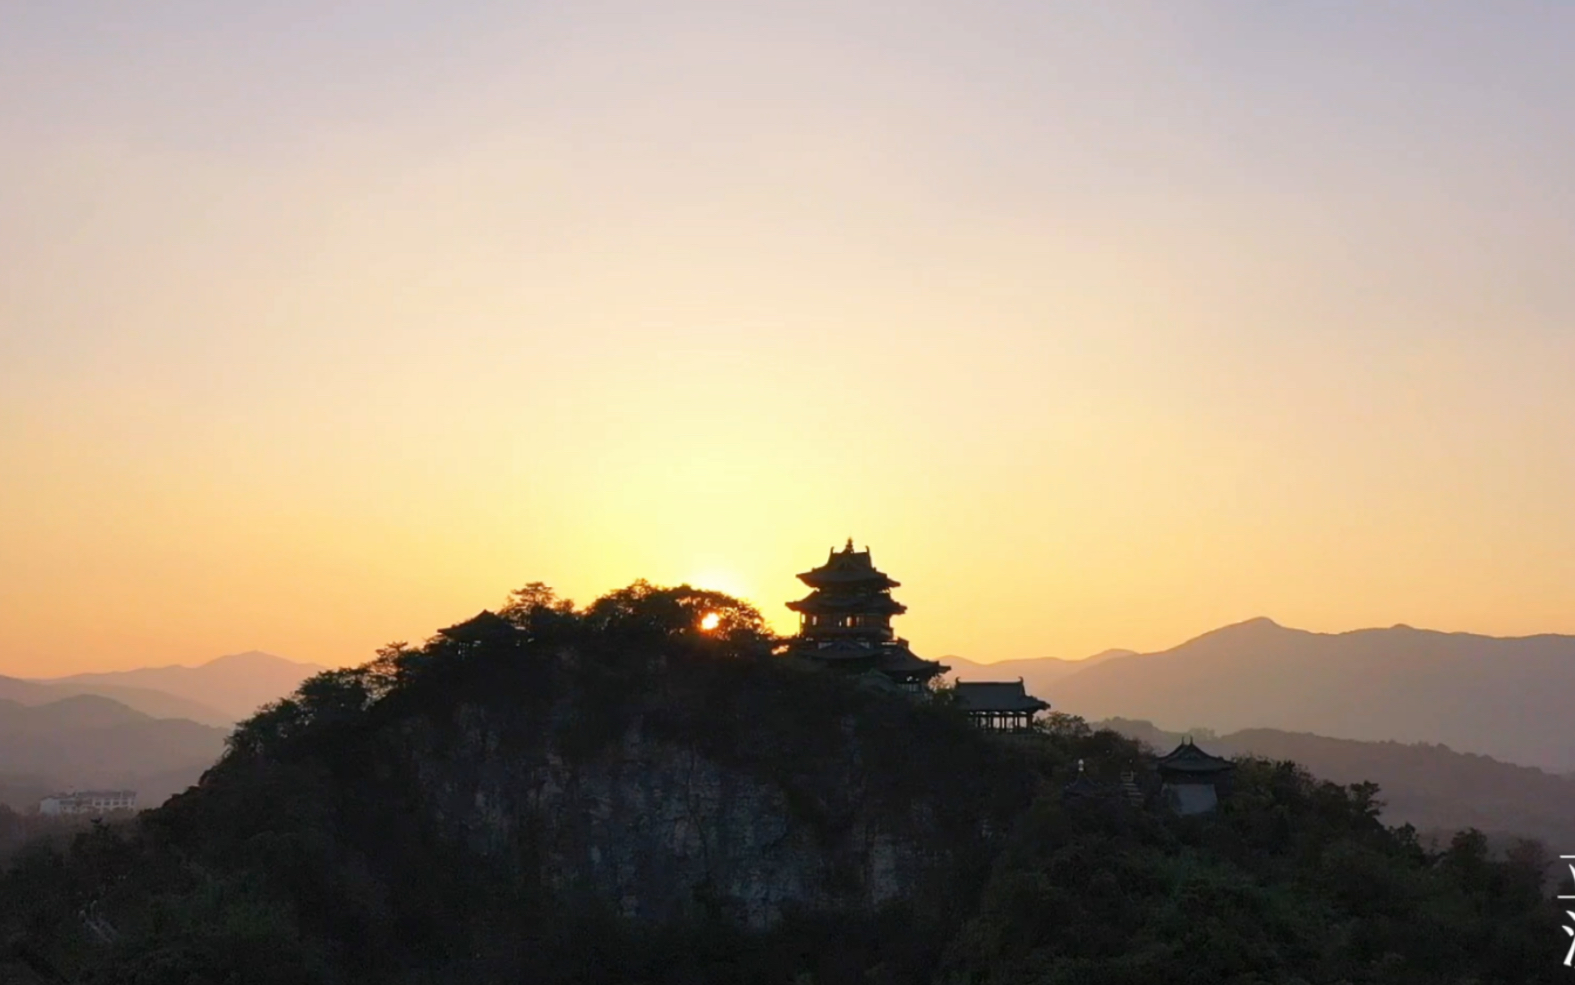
x: 614, y: 794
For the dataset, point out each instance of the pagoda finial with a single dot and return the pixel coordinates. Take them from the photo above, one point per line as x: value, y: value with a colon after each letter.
x: 1079, y: 767
x: 850, y: 545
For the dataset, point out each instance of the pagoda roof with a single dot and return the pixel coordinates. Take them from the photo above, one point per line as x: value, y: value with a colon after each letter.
x: 838, y: 651
x: 847, y: 567
x: 879, y: 602
x: 898, y: 659
x: 1005, y: 696
x: 894, y: 658
x: 1081, y: 787
x: 1188, y: 758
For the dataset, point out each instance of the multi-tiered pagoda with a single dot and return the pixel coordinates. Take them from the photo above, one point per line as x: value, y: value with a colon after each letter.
x: 845, y: 622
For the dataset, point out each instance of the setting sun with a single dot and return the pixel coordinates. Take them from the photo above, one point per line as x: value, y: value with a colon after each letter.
x: 710, y: 621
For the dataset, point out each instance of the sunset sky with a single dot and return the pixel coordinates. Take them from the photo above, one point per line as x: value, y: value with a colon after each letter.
x: 1102, y: 324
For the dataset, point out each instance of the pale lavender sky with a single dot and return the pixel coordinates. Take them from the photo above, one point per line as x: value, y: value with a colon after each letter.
x: 1102, y: 323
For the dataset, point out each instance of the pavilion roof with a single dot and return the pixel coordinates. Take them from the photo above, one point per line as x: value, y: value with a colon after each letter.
x: 898, y: 659
x: 873, y: 601
x: 839, y: 650
x: 1081, y: 787
x: 891, y: 657
x: 1005, y: 696
x: 847, y: 567
x: 1188, y: 758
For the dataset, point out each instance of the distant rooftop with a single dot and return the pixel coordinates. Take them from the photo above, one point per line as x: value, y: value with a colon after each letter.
x: 1188, y: 758
x: 1004, y: 696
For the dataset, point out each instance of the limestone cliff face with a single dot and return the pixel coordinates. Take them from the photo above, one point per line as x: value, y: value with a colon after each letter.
x: 659, y: 830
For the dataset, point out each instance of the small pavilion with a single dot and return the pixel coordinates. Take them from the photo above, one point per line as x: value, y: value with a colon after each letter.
x: 999, y: 706
x: 1191, y: 780
x: 1082, y: 789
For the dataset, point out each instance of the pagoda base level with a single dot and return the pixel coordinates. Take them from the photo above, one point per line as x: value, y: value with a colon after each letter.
x: 992, y: 721
x: 1191, y: 798
x: 914, y: 680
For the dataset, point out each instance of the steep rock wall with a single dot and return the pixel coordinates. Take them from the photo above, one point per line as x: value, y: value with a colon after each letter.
x: 661, y: 831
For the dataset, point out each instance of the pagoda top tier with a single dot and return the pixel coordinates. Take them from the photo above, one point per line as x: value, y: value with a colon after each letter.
x: 846, y: 569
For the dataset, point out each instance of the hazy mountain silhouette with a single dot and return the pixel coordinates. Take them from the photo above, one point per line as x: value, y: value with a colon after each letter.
x: 92, y: 741
x: 1506, y: 698
x: 1038, y: 674
x: 235, y: 686
x: 1429, y: 786
x: 156, y: 704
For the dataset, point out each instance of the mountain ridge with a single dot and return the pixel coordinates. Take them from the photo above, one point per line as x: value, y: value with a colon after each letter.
x: 1498, y: 696
x: 234, y: 685
x: 1036, y: 672
x: 88, y: 740
x: 149, y: 701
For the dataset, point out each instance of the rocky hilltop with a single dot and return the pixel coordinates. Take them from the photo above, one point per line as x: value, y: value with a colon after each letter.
x: 824, y: 801
x: 562, y: 769
x: 642, y: 791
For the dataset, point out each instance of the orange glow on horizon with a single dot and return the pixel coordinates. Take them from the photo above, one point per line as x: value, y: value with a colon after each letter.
x: 1101, y: 328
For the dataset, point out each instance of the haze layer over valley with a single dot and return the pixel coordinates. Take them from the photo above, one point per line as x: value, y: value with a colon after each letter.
x: 230, y: 687
x: 152, y: 730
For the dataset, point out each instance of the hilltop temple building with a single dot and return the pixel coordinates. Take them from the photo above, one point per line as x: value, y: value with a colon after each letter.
x: 845, y: 622
x: 1192, y: 781
x: 1002, y: 706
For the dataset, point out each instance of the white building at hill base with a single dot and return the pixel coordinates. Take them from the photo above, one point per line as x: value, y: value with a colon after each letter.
x: 89, y: 802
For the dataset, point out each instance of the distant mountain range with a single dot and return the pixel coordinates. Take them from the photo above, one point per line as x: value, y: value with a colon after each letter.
x: 1505, y: 698
x: 1038, y: 674
x: 231, y: 687
x: 154, y: 730
x: 89, y: 741
x: 1429, y: 786
x: 158, y: 704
